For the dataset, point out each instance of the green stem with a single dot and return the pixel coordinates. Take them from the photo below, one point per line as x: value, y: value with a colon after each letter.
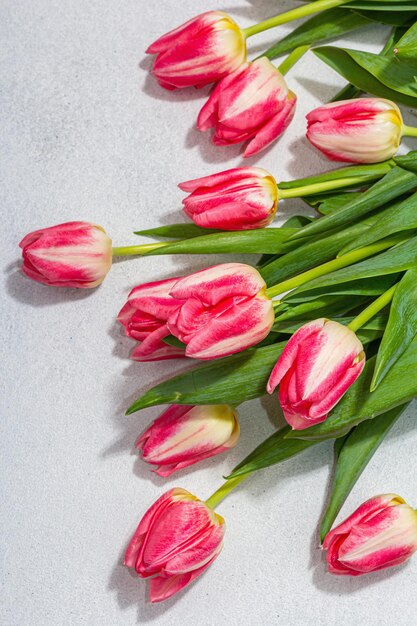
x: 289, y: 16
x: 327, y: 185
x: 292, y: 59
x: 331, y: 266
x: 375, y: 307
x: 408, y: 131
x: 225, y: 489
x: 136, y: 250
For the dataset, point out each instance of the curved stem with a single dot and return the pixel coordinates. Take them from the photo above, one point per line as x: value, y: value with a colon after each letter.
x: 328, y: 185
x: 409, y: 131
x: 136, y: 250
x: 336, y: 264
x: 292, y: 58
x: 375, y: 307
x: 225, y: 489
x: 289, y: 16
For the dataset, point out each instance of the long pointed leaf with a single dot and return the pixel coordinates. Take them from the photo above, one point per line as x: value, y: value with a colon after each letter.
x: 353, y: 455
x: 230, y: 380
x: 394, y: 184
x: 271, y: 451
x: 401, y: 327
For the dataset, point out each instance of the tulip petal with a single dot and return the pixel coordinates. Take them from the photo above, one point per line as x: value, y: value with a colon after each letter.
x: 272, y: 129
x: 237, y: 329
x: 215, y: 283
x: 289, y: 354
x: 235, y: 174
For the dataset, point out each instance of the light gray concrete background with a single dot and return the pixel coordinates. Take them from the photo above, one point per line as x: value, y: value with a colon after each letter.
x: 87, y: 134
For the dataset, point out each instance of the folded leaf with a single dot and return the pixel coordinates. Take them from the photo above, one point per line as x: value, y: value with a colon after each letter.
x: 344, y: 64
x: 325, y: 25
x: 260, y: 240
x: 401, y: 326
x: 271, y: 451
x: 375, y: 287
x: 230, y: 380
x: 353, y: 454
x: 399, y: 217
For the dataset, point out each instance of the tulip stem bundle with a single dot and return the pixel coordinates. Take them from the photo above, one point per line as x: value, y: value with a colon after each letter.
x: 332, y: 266
x: 292, y: 59
x: 373, y: 309
x: 289, y: 16
x: 224, y: 490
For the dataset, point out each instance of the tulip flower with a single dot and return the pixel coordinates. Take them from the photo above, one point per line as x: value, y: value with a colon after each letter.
x: 225, y: 310
x: 364, y: 130
x: 238, y: 199
x: 176, y: 540
x: 184, y: 435
x: 252, y: 103
x: 199, y: 52
x: 145, y: 316
x: 319, y: 363
x: 74, y: 254
x: 381, y: 533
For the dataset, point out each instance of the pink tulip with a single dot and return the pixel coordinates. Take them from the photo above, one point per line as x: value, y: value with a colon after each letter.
x: 145, y: 316
x: 184, y: 435
x: 365, y: 130
x: 199, y: 52
x: 225, y: 310
x: 176, y: 540
x: 381, y: 533
x: 319, y: 363
x: 74, y: 254
x: 253, y: 102
x: 237, y: 199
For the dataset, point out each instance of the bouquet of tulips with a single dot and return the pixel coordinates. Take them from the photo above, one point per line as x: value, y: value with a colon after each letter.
x: 328, y: 316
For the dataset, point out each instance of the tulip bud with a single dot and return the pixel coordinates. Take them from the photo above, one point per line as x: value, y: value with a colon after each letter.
x: 364, y: 130
x: 224, y: 310
x: 381, y: 533
x: 184, y: 435
x: 319, y: 363
x: 238, y: 199
x: 176, y: 540
x: 145, y: 316
x: 252, y: 103
x: 74, y: 254
x: 199, y: 52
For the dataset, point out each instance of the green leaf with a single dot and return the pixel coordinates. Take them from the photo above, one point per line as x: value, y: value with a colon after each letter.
x: 230, y: 380
x: 389, y: 17
x: 406, y: 47
x: 388, y: 70
x: 394, y: 184
x: 334, y: 203
x: 375, y: 287
x: 399, y: 258
x: 400, y: 217
x: 359, y: 404
x: 401, y: 327
x: 325, y: 25
x: 344, y: 64
x: 271, y: 451
x: 322, y: 306
x: 376, y: 325
x: 383, y: 5
x: 368, y: 172
x: 182, y: 231
x: 257, y: 241
x: 308, y: 255
x: 353, y: 455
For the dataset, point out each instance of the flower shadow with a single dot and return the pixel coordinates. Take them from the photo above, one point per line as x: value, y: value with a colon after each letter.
x: 35, y: 294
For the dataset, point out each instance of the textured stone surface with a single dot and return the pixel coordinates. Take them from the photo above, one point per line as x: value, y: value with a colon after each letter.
x: 89, y: 135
